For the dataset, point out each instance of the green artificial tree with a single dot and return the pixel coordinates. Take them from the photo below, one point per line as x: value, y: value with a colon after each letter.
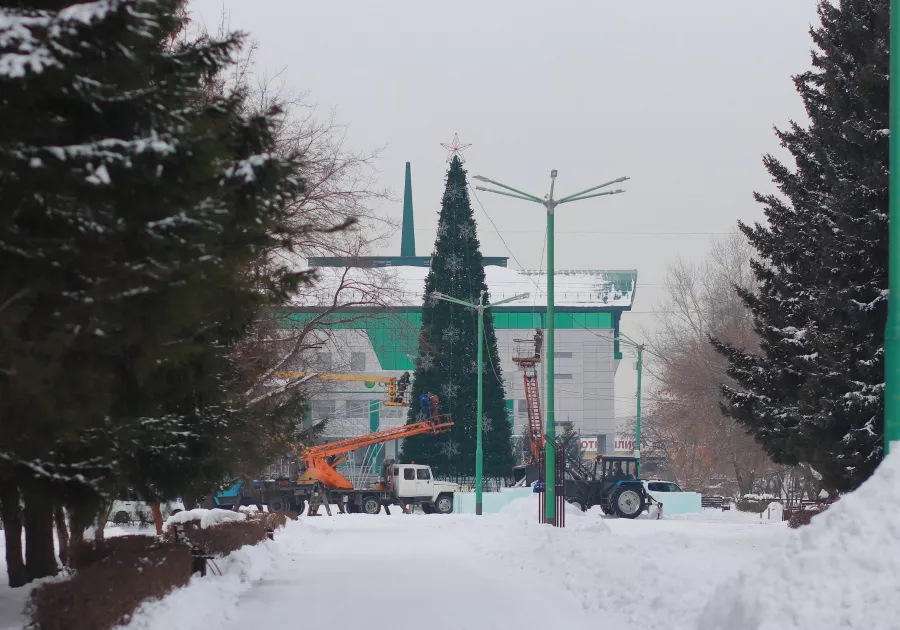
x: 446, y: 364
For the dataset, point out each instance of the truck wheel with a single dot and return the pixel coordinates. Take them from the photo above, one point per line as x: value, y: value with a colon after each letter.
x: 297, y: 507
x: 427, y: 508
x: 371, y: 505
x: 277, y: 504
x: 628, y: 502
x: 444, y: 504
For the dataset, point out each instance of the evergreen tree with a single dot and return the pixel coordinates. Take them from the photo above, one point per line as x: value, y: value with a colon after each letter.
x: 133, y: 202
x: 447, y: 362
x: 815, y: 392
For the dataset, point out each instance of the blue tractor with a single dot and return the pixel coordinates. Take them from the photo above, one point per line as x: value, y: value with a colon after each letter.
x: 611, y: 483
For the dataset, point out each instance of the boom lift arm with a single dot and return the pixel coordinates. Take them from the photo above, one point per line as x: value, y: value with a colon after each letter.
x: 390, y: 382
x: 321, y: 460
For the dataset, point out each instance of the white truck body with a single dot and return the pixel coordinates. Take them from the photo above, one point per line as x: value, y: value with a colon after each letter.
x: 416, y: 481
x: 127, y: 512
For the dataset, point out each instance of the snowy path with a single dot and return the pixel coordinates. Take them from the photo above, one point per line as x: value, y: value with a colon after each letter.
x: 462, y: 572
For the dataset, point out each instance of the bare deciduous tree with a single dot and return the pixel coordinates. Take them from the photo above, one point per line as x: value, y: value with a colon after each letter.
x: 701, y: 303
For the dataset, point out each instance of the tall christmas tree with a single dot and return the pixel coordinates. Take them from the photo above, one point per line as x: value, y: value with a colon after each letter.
x: 815, y: 392
x: 447, y: 363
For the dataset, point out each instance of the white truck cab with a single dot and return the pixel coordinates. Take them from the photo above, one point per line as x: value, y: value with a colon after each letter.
x: 129, y: 511
x: 416, y: 481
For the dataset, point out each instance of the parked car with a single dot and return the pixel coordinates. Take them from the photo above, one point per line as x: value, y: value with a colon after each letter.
x: 130, y: 512
x: 658, y: 485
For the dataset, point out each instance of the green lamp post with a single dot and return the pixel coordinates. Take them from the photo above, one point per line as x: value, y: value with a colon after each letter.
x: 550, y: 204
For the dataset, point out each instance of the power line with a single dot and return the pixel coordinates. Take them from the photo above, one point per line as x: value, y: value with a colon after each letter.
x: 614, y: 232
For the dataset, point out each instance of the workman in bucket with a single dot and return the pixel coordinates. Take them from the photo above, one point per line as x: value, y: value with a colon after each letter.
x: 424, y: 406
x: 435, y: 405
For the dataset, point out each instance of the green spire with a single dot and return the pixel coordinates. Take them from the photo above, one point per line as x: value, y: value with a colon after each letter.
x: 408, y: 239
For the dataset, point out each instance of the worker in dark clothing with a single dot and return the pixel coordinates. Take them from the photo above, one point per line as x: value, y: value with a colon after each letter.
x: 538, y: 342
x: 435, y: 404
x: 402, y: 384
x: 424, y: 406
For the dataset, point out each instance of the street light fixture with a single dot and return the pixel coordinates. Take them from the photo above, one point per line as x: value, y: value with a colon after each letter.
x: 550, y: 204
x: 480, y: 307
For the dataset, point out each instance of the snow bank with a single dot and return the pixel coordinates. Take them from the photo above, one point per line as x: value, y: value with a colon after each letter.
x: 212, y: 601
x: 207, y: 518
x: 526, y: 510
x: 841, y: 571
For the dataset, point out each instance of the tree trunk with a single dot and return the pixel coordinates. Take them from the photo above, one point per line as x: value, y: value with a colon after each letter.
x: 62, y: 534
x: 157, y: 518
x: 79, y: 520
x: 102, y: 519
x: 190, y: 500
x: 40, y: 555
x: 12, y: 529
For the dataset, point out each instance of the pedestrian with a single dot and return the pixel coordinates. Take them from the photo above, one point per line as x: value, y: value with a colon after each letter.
x: 435, y: 404
x: 424, y: 406
x: 538, y: 342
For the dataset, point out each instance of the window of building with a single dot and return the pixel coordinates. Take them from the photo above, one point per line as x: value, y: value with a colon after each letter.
x: 562, y: 355
x: 601, y: 444
x: 322, y: 361
x: 523, y: 406
x: 357, y: 408
x: 357, y: 361
x: 563, y: 377
x: 422, y: 473
x: 322, y: 409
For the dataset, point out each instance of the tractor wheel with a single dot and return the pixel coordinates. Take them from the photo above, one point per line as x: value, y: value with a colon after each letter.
x: 628, y: 502
x: 371, y: 505
x: 577, y: 503
x: 444, y: 504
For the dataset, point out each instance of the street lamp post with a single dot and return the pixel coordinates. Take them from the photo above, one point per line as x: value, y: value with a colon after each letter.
x: 637, y: 433
x: 892, y: 332
x: 550, y: 204
x: 640, y: 370
x: 479, y: 450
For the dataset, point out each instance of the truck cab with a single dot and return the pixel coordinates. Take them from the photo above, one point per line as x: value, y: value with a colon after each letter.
x: 416, y: 483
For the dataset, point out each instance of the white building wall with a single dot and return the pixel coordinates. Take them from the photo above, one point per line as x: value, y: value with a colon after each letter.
x: 585, y: 391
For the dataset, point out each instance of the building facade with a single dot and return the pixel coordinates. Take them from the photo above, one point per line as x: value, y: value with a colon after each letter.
x: 384, y: 341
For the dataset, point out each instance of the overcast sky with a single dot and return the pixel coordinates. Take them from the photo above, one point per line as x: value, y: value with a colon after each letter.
x: 679, y: 96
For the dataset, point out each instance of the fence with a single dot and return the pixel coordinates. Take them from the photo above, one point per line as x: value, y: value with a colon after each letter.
x: 488, y: 484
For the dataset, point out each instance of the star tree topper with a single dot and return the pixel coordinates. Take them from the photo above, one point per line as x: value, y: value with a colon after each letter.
x: 455, y: 148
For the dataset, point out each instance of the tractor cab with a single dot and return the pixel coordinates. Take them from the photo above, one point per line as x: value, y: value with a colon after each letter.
x: 618, y: 468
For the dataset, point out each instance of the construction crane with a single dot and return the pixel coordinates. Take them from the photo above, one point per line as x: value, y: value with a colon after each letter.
x: 393, y: 396
x: 321, y: 461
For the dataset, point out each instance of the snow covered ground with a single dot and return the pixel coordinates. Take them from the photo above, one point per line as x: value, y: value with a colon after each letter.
x: 461, y: 571
x: 709, y: 571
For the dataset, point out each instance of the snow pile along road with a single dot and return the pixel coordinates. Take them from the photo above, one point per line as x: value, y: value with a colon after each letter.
x: 841, y: 571
x: 207, y: 518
